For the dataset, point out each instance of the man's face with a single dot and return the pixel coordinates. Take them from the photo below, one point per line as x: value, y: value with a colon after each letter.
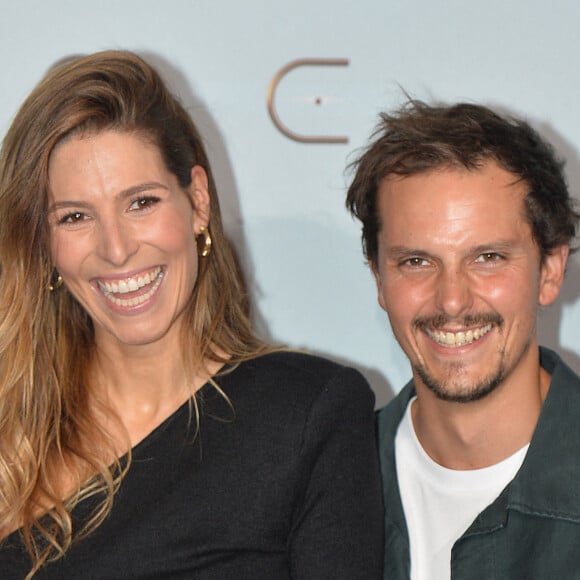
x: 459, y: 276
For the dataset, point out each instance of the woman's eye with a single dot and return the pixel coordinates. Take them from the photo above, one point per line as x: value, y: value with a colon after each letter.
x: 73, y: 217
x: 143, y: 203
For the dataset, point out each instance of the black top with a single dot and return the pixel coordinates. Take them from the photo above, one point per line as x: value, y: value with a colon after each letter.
x: 284, y: 486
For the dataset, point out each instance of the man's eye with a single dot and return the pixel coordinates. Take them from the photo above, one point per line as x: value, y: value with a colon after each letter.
x: 489, y: 257
x: 414, y: 262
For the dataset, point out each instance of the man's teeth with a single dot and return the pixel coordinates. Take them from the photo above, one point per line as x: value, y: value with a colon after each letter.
x: 458, y: 338
x: 109, y: 289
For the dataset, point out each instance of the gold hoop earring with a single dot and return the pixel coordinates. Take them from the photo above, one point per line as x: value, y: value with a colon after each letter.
x: 205, y: 251
x: 56, y: 284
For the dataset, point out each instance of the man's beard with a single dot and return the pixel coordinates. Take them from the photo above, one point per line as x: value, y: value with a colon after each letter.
x: 466, y: 394
x: 461, y: 393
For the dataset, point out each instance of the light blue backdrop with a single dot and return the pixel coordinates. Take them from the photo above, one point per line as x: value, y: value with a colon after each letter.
x: 282, y: 200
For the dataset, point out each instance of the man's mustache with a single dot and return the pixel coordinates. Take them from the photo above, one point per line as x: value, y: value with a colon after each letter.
x: 438, y: 321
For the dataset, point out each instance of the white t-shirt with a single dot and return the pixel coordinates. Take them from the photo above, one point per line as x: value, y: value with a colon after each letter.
x: 440, y: 503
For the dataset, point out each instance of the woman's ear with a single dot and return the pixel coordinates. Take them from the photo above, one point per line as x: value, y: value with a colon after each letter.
x: 199, y: 194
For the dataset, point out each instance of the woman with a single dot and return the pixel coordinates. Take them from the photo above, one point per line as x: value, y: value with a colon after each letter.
x: 145, y: 431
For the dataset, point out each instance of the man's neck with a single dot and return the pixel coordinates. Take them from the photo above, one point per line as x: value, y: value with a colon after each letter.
x: 480, y: 433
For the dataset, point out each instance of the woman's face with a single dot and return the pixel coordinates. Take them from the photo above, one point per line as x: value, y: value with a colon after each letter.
x: 122, y: 235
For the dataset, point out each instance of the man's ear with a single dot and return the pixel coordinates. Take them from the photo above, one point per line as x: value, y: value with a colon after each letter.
x: 552, y: 274
x: 379, y: 283
x: 199, y: 195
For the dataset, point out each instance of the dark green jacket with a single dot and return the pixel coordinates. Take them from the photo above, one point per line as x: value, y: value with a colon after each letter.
x: 532, y: 530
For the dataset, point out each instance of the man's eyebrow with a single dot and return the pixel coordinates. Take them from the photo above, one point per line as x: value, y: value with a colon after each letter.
x: 125, y: 193
x: 397, y: 252
x: 495, y: 246
x: 503, y: 245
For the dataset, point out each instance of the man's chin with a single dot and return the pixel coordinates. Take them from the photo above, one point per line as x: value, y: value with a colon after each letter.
x: 452, y: 390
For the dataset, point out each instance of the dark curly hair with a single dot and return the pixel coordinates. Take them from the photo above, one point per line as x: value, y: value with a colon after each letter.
x: 420, y: 137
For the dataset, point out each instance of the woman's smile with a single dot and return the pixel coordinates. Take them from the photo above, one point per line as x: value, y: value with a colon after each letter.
x: 133, y: 291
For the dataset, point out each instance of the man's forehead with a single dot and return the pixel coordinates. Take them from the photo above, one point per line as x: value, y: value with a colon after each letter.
x: 453, y: 198
x: 491, y: 173
x: 457, y: 168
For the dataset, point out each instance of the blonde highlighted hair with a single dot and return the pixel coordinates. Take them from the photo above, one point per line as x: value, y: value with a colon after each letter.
x: 46, y: 338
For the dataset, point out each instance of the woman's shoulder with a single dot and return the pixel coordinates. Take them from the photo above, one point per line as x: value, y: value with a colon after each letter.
x: 299, y: 365
x: 295, y: 374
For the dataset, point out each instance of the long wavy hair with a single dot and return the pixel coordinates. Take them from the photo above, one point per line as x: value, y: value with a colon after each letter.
x: 47, y: 338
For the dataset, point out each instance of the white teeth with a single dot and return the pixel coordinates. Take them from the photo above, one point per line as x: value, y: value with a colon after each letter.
x: 129, y: 284
x: 458, y: 338
x: 132, y: 285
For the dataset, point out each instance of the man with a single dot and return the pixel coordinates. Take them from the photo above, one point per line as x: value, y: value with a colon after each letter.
x: 467, y: 226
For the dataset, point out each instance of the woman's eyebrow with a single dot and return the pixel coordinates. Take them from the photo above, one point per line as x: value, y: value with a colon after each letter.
x: 129, y: 192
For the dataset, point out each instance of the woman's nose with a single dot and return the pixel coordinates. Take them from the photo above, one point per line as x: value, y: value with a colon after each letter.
x: 116, y: 242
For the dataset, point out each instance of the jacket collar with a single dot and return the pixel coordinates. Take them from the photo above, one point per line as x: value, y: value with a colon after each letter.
x: 548, y: 479
x: 388, y: 419
x: 546, y: 483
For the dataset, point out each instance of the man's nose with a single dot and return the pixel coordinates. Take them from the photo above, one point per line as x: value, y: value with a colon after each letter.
x: 453, y: 292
